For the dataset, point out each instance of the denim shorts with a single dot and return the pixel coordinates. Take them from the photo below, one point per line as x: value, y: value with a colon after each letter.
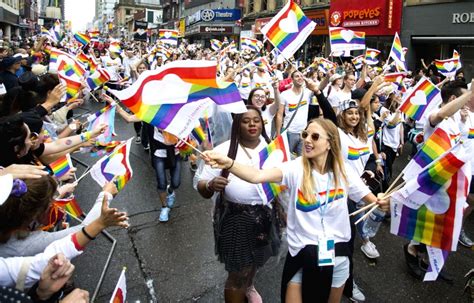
x: 339, y: 275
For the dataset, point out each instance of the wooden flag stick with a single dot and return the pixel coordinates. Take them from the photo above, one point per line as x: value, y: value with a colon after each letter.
x: 83, y: 175
x: 200, y: 152
x: 394, y: 182
x: 366, y: 215
x: 362, y: 209
x: 389, y: 193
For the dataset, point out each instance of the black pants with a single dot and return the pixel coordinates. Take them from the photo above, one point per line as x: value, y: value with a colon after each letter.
x: 391, y: 155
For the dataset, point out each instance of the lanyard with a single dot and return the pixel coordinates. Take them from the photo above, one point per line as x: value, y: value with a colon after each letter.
x: 323, y: 207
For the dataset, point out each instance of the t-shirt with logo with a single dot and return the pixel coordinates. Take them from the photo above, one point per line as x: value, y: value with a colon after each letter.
x: 391, y: 133
x: 354, y: 151
x: 304, y: 225
x: 264, y: 82
x: 290, y: 100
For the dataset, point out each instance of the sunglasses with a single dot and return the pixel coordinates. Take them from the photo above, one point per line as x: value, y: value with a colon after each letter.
x: 314, y: 136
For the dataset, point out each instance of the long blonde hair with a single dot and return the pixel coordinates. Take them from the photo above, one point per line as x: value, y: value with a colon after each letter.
x: 334, y: 161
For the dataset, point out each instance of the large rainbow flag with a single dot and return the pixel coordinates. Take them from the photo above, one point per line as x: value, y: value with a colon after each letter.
x: 186, y: 89
x: 115, y: 165
x: 288, y: 30
x: 275, y: 153
x: 424, y: 97
x: 343, y: 39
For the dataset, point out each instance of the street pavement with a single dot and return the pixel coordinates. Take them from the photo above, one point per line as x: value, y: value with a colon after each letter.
x: 175, y: 261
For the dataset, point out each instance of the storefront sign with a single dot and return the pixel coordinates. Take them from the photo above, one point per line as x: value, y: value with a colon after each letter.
x: 321, y: 18
x: 196, y: 17
x: 459, y: 18
x: 374, y: 17
x: 210, y: 15
x: 215, y: 29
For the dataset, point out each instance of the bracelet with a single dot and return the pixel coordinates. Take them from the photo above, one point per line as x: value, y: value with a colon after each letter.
x: 230, y: 165
x: 85, y: 136
x: 378, y: 161
x: 86, y: 234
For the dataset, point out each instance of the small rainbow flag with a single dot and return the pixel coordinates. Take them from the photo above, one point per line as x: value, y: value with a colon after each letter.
x: 97, y: 79
x: 396, y: 78
x: 288, y: 30
x: 307, y: 206
x: 185, y: 149
x: 326, y: 65
x: 370, y: 133
x: 470, y: 135
x: 263, y: 62
x: 447, y: 67
x: 114, y: 47
x: 199, y: 134
x: 73, y: 87
x: 358, y: 61
x: 371, y: 55
x: 457, y: 56
x: 269, y: 158
x: 61, y: 166
x: 71, y: 66
x: 397, y: 54
x: 82, y: 38
x: 70, y: 205
x: 345, y: 39
x: 216, y: 44
x: 103, y: 148
x: 423, y: 96
x: 120, y: 293
x: 169, y: 36
x: 249, y: 44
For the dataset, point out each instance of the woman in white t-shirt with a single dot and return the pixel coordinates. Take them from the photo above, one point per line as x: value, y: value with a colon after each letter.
x: 259, y: 98
x: 319, y: 184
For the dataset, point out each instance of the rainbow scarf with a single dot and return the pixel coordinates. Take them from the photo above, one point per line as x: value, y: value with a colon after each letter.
x: 342, y: 39
x: 289, y: 38
x: 83, y: 39
x: 269, y: 191
x: 424, y: 95
x: 397, y: 54
x: 447, y: 67
x: 61, y: 166
x: 306, y: 206
x: 371, y: 55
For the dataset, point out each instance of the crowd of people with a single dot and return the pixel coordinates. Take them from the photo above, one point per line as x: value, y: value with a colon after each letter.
x: 327, y: 114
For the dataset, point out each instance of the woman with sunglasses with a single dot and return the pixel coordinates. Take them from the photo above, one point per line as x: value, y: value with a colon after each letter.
x: 244, y: 228
x: 319, y: 185
x: 259, y: 98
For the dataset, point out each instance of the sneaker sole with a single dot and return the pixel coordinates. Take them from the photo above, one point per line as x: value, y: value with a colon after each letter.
x: 464, y: 244
x: 367, y: 256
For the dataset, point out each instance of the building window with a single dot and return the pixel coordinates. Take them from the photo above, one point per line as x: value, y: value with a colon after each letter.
x: 127, y: 11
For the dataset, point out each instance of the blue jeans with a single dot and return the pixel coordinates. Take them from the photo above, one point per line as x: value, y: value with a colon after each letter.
x: 160, y: 172
x: 353, y: 206
x: 295, y: 143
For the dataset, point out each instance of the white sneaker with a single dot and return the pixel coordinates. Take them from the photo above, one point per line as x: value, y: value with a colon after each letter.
x: 357, y: 295
x: 370, y: 250
x: 164, y: 214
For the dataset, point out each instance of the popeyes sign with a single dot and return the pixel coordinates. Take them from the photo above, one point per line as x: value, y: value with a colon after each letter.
x: 374, y: 17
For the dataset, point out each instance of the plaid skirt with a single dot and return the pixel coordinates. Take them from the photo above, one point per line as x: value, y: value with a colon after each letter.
x: 245, y: 235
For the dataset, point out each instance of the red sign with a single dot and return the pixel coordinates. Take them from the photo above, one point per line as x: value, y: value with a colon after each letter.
x: 374, y: 17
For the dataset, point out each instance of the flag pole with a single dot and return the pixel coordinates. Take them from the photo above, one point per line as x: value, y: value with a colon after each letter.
x: 183, y: 141
x: 83, y: 175
x: 366, y: 215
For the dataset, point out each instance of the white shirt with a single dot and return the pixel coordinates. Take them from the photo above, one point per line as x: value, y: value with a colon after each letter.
x: 290, y: 100
x: 238, y: 190
x: 112, y: 66
x: 243, y: 82
x: 158, y: 136
x: 355, y: 152
x: 467, y: 134
x: 391, y: 133
x: 304, y: 219
x: 263, y: 81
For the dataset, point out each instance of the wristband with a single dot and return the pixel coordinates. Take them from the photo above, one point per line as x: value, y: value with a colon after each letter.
x: 86, y: 234
x: 378, y: 161
x: 208, y: 187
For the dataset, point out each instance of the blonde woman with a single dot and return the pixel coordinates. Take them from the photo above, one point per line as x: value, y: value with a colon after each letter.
x: 318, y: 184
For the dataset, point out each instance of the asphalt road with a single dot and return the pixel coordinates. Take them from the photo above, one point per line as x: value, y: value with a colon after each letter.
x: 175, y: 261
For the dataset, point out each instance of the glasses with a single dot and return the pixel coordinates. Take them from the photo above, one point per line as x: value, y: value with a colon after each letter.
x: 259, y: 96
x: 314, y: 136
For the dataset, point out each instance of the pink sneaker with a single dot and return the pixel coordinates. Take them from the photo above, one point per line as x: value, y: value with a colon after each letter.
x: 253, y: 296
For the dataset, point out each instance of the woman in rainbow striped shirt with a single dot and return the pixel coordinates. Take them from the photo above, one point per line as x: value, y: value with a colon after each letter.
x: 318, y: 226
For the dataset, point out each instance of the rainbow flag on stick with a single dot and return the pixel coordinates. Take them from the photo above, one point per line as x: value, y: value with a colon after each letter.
x: 275, y: 153
x: 249, y: 44
x: 186, y: 89
x: 106, y: 116
x: 358, y: 61
x: 116, y: 164
x: 216, y: 44
x: 198, y: 133
x: 169, y: 36
x: 73, y: 87
x: 343, y: 39
x: 70, y: 205
x: 61, y: 166
x: 457, y: 56
x: 371, y: 55
x: 326, y: 65
x: 72, y: 65
x: 424, y: 97
x: 447, y: 67
x: 288, y: 30
x: 82, y: 38
x: 397, y: 53
x: 97, y: 79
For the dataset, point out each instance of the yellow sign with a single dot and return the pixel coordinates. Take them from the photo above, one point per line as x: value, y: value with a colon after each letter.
x: 182, y: 27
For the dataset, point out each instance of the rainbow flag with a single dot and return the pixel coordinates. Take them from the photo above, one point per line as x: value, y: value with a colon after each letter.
x: 185, y: 88
x: 216, y: 44
x: 183, y: 148
x: 82, y: 38
x: 99, y: 149
x: 263, y: 62
x: 396, y: 78
x: 343, y: 39
x: 275, y: 153
x: 61, y: 166
x: 70, y: 205
x: 371, y: 55
x: 306, y: 206
x: 114, y: 47
x: 73, y: 87
x: 199, y: 134
x: 94, y: 34
x: 249, y: 44
x: 425, y: 95
x: 208, y: 130
x: 326, y: 65
x: 106, y: 116
x: 71, y: 66
x: 97, y: 79
x: 288, y: 30
x: 116, y: 164
x: 358, y: 61
x: 457, y: 56
x: 447, y: 67
x: 169, y: 36
x: 397, y: 54
x: 370, y: 133
x: 355, y: 153
x: 470, y: 134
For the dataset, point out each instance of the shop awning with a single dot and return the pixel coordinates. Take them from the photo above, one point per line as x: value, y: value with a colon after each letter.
x: 432, y: 38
